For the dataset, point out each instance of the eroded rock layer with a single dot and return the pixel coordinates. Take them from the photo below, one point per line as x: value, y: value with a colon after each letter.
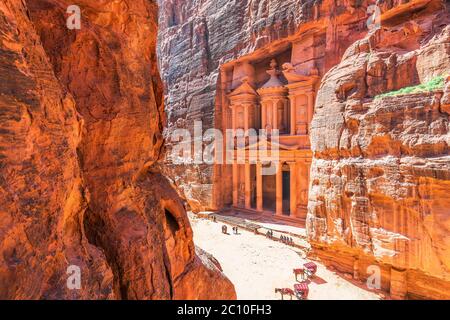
x: 379, y: 178
x: 195, y: 39
x: 81, y: 120
x: 381, y: 169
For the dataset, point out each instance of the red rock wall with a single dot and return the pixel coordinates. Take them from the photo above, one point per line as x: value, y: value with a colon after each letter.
x: 381, y: 169
x: 195, y: 39
x: 81, y: 120
x: 380, y: 175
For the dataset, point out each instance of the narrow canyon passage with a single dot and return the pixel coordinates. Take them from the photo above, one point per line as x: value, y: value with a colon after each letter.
x: 354, y: 96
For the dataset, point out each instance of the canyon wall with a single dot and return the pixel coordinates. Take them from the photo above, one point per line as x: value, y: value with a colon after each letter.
x: 81, y: 119
x: 195, y: 39
x: 381, y: 169
x: 380, y: 173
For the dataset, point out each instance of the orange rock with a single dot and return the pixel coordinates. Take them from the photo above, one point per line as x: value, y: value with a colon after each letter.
x: 81, y: 125
x: 380, y: 174
x: 445, y: 102
x: 381, y: 170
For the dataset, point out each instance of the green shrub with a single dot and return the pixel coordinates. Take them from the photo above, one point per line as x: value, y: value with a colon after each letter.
x: 436, y: 83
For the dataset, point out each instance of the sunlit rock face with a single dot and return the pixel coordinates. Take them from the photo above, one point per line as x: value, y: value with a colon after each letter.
x: 381, y: 171
x: 81, y: 119
x: 195, y: 39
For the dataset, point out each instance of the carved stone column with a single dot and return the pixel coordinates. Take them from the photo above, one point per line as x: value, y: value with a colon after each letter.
x: 233, y: 118
x: 286, y: 115
x: 302, y: 189
x: 263, y: 115
x: 293, y: 114
x: 274, y: 115
x: 247, y: 121
x: 248, y: 191
x: 235, y: 183
x: 259, y: 187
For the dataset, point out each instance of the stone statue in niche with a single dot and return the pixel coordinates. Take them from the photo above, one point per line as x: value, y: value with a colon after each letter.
x: 273, y: 72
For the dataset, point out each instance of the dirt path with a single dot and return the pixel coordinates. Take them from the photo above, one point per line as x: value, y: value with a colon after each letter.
x: 257, y: 265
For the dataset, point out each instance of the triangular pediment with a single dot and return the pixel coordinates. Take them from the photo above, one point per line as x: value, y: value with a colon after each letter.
x: 244, y: 89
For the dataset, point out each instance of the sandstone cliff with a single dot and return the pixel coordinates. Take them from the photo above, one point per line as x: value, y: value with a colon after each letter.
x: 195, y: 39
x: 380, y: 172
x: 81, y: 119
x: 381, y: 169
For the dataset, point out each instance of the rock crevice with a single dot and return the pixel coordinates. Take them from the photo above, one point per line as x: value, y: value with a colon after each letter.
x: 82, y: 116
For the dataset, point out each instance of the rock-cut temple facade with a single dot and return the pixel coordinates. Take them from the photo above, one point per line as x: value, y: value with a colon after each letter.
x: 274, y: 95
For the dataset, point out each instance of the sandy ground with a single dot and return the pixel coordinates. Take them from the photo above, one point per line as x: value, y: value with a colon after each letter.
x: 257, y: 265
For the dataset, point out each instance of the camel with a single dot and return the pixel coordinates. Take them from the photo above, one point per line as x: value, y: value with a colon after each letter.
x: 285, y: 291
x: 300, y: 271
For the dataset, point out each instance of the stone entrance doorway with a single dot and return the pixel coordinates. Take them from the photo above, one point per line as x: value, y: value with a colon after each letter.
x: 286, y: 193
x: 269, y: 193
x: 253, y: 176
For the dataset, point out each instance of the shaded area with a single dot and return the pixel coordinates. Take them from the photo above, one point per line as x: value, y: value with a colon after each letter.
x: 83, y: 117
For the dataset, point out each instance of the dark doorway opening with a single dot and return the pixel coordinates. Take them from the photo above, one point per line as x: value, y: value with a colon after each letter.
x: 287, y: 193
x: 269, y: 193
x: 253, y: 185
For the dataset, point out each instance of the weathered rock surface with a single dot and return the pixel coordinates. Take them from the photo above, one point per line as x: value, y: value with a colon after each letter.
x: 380, y: 173
x: 381, y: 169
x: 81, y: 119
x: 195, y: 39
